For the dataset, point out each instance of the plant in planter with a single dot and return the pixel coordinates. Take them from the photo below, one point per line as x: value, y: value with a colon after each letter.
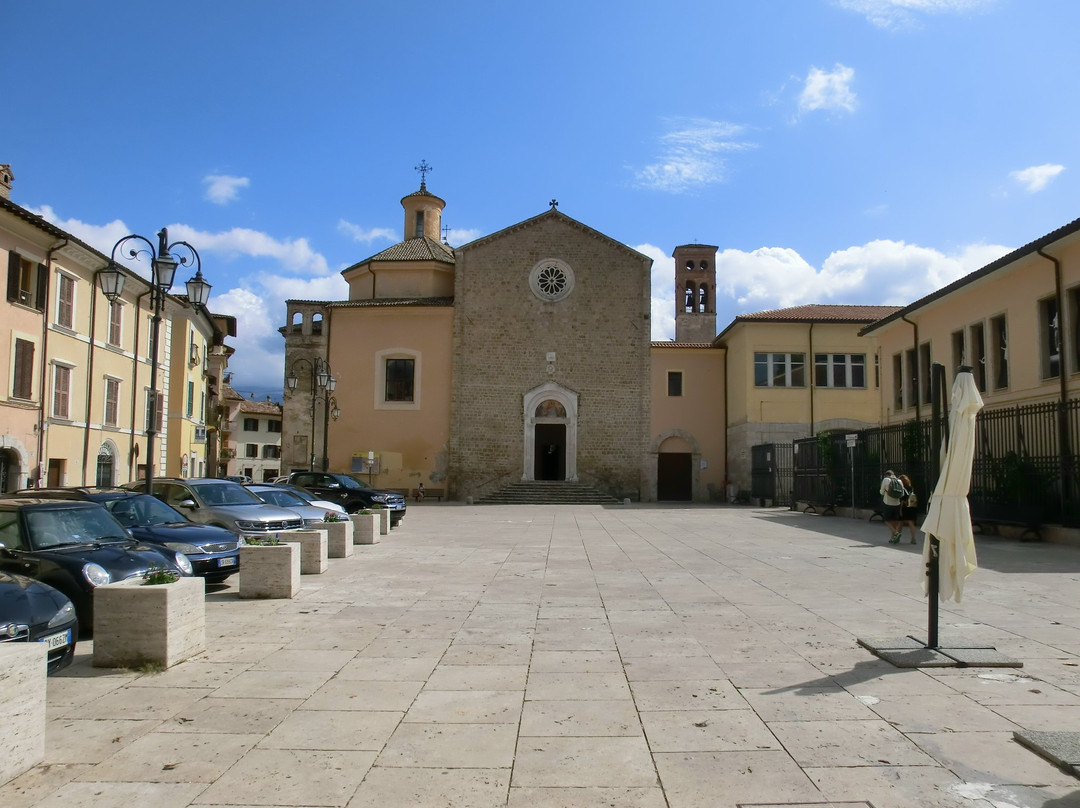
x: 365, y: 526
x: 269, y: 541
x: 333, y: 517
x: 151, y: 622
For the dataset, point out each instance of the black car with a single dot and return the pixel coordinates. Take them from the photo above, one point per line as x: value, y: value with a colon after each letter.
x: 214, y: 552
x: 31, y: 611
x: 75, y: 547
x: 350, y: 492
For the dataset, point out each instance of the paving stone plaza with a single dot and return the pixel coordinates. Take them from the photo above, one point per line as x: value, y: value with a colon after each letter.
x: 563, y: 656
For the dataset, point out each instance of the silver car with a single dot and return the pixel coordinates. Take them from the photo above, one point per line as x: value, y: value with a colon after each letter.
x: 312, y: 515
x: 223, y: 503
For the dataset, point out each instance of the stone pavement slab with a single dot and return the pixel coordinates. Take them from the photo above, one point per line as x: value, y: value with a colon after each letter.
x: 638, y: 656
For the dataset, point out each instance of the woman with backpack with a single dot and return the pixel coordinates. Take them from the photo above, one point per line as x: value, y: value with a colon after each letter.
x: 909, y: 507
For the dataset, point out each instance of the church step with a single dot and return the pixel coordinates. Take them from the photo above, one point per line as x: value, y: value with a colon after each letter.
x: 547, y: 493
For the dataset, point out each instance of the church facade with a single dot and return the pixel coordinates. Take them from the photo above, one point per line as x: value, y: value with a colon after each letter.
x: 521, y: 356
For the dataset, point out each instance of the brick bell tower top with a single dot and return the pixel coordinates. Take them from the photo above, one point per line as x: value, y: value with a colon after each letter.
x: 423, y: 210
x: 695, y: 293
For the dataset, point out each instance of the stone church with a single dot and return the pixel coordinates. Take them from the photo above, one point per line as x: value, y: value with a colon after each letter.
x: 521, y: 356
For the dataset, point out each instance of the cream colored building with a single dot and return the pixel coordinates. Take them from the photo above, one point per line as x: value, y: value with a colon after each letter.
x: 78, y: 366
x: 252, y: 447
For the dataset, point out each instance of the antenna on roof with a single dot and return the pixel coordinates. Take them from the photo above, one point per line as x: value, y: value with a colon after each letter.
x: 424, y: 169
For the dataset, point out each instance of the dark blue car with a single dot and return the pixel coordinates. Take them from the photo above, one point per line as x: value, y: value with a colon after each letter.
x: 31, y: 611
x: 214, y: 552
x: 75, y: 547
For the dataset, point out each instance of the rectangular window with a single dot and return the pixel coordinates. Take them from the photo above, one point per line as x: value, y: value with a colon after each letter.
x: 959, y: 355
x: 1000, y: 340
x: 112, y: 402
x: 190, y: 398
x: 28, y: 282
x: 898, y: 382
x: 779, y: 370
x: 399, y: 379
x: 65, y: 304
x: 23, y: 382
x: 1050, y: 329
x: 273, y: 426
x: 252, y: 450
x: 674, y: 383
x: 840, y: 370
x: 924, y: 373
x: 271, y: 452
x: 251, y: 424
x: 116, y: 323
x: 61, y: 406
x: 978, y: 355
x: 155, y: 404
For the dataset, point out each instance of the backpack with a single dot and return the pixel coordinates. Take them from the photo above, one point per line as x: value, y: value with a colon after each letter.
x: 895, y: 488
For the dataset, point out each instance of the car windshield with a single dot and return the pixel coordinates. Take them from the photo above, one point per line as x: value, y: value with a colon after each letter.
x: 59, y: 527
x: 277, y: 496
x: 300, y: 492
x: 348, y: 481
x: 143, y: 510
x: 225, y: 493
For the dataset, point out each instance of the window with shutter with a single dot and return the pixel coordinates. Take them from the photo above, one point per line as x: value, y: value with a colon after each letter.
x: 23, y: 382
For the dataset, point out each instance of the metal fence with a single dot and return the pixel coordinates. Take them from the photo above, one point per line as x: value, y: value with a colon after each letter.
x: 1025, y: 459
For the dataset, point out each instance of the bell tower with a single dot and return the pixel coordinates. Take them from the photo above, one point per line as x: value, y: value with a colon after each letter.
x: 695, y: 293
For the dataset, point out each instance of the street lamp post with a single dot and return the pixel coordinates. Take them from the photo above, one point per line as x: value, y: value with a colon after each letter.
x: 321, y: 380
x: 328, y: 400
x: 163, y: 265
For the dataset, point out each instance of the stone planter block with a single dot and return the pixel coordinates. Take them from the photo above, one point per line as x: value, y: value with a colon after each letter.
x: 23, y: 668
x: 135, y: 624
x: 365, y: 528
x: 270, y: 571
x: 384, y: 522
x: 313, y: 550
x: 339, y: 539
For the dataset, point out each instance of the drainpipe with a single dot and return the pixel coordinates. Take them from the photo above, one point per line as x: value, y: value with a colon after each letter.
x: 45, y: 362
x: 90, y: 374
x: 810, y: 371
x: 1066, y: 465
x: 915, y: 351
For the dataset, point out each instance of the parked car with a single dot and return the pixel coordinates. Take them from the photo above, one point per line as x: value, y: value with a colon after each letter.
x: 214, y: 552
x: 243, y: 479
x: 32, y: 611
x: 222, y: 503
x: 75, y: 547
x: 312, y: 515
x: 350, y: 492
x: 308, y: 497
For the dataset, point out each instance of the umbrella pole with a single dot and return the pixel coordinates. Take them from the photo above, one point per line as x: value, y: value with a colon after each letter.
x: 933, y: 567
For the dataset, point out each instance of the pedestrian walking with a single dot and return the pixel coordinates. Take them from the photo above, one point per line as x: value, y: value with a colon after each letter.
x: 891, y: 490
x: 909, y: 507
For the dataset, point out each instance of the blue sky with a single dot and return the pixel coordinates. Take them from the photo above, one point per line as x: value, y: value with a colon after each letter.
x: 837, y: 151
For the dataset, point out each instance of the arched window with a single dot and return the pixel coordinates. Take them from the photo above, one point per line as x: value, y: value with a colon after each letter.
x: 297, y: 322
x: 703, y: 299
x: 703, y: 266
x: 690, y: 299
x: 690, y: 265
x: 316, y: 323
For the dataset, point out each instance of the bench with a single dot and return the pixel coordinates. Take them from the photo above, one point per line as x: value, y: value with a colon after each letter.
x: 990, y: 516
x: 437, y: 493
x: 826, y: 510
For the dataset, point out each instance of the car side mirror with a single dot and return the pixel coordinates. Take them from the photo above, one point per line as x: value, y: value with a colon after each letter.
x: 187, y: 503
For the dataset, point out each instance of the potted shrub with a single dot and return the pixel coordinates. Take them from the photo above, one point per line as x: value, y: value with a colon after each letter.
x: 269, y: 568
x: 157, y: 620
x: 339, y: 535
x: 365, y: 527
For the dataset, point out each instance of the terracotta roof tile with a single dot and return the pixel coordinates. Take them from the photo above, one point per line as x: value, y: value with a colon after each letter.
x: 822, y: 313
x: 414, y: 249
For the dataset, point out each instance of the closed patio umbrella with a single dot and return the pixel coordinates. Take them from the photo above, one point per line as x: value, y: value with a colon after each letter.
x: 949, y: 518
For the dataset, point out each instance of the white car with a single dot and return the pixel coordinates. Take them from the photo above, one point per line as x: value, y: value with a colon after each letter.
x: 312, y: 515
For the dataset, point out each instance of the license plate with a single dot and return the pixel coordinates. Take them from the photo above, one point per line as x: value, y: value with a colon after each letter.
x: 54, y: 641
x: 227, y: 562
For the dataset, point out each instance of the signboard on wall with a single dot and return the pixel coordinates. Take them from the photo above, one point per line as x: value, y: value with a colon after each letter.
x: 365, y: 463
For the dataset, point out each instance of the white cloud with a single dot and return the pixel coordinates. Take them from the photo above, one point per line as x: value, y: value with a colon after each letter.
x: 1035, y: 178
x: 294, y: 255
x: 221, y: 189
x: 906, y: 13
x: 100, y: 237
x: 692, y: 156
x: 881, y: 272
x: 366, y: 236
x: 828, y: 90
x: 458, y: 236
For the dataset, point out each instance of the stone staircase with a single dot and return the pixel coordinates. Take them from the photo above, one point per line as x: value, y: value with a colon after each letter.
x: 547, y: 492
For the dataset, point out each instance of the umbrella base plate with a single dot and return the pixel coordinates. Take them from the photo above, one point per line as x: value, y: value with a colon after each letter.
x: 911, y: 652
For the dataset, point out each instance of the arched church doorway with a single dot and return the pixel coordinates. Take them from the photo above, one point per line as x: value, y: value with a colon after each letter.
x: 550, y: 434
x: 675, y: 471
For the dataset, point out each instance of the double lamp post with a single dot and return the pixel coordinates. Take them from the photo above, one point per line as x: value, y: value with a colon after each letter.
x: 321, y: 379
x: 163, y: 265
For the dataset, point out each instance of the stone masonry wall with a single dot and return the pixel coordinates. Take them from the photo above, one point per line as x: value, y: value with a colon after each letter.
x: 503, y: 334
